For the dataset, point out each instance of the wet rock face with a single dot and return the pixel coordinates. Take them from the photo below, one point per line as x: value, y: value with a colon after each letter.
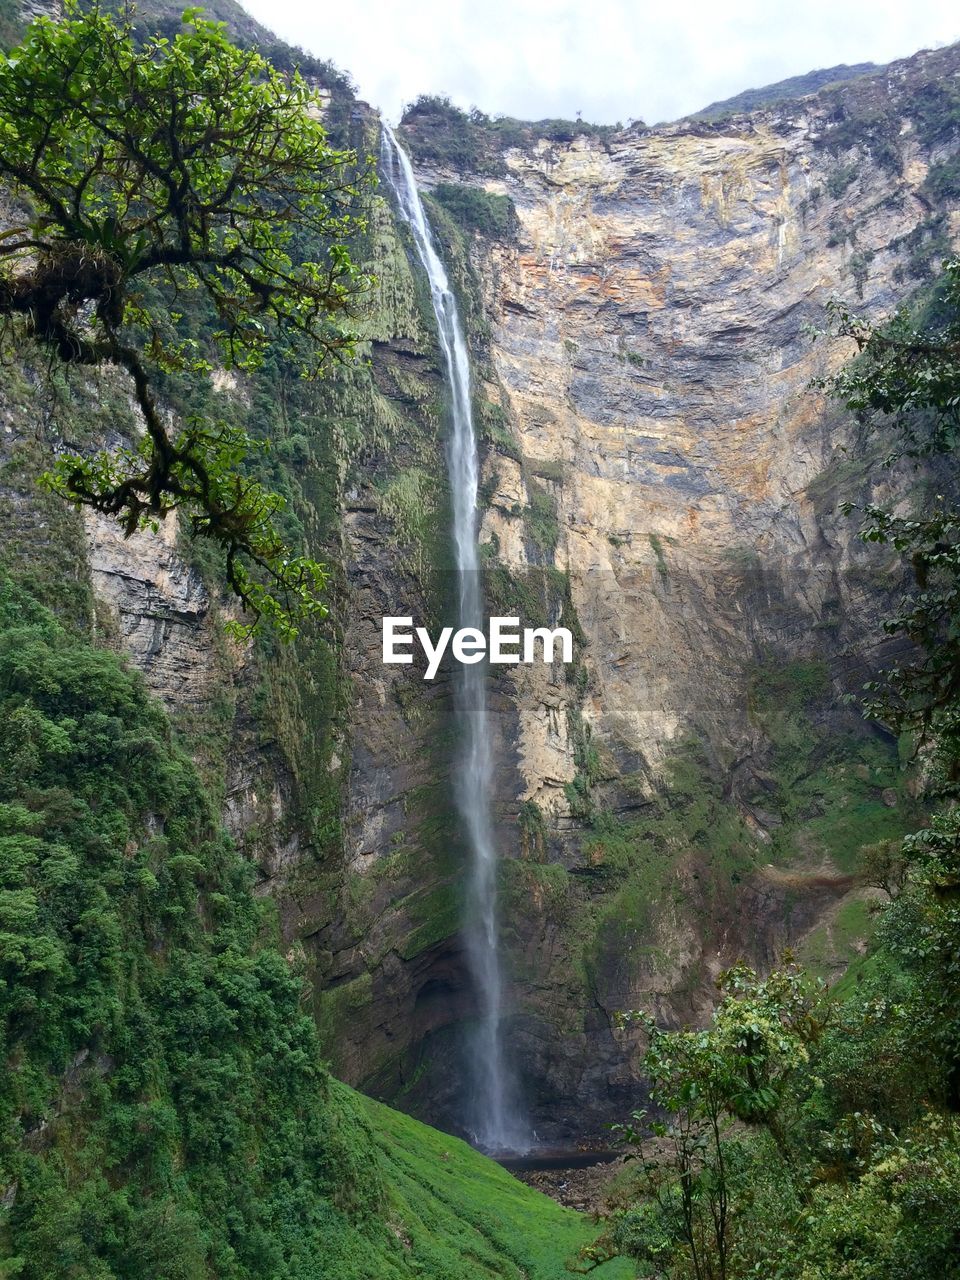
x: 641, y: 346
x: 158, y: 605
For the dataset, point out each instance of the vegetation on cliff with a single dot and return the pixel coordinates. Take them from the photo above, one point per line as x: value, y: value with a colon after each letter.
x: 782, y: 91
x: 165, y: 1110
x: 440, y: 133
x: 181, y: 175
x: 164, y: 1105
x: 478, y: 210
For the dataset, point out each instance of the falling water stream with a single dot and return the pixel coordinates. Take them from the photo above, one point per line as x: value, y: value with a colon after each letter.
x: 494, y: 1118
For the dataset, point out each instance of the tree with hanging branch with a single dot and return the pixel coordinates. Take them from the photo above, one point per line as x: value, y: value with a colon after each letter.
x: 141, y: 176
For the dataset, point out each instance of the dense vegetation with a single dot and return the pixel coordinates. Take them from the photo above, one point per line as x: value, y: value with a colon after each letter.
x: 145, y: 176
x: 165, y: 1111
x: 164, y: 1105
x: 438, y: 132
x: 812, y: 1134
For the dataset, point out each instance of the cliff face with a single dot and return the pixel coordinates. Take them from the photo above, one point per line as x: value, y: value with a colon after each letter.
x: 650, y: 336
x: 651, y: 356
x: 659, y: 473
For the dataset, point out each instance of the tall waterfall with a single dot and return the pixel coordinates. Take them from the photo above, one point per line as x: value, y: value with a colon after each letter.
x: 494, y: 1117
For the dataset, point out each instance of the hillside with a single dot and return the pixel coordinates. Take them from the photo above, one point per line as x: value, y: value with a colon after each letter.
x: 782, y: 91
x: 235, y: 874
x: 167, y: 1113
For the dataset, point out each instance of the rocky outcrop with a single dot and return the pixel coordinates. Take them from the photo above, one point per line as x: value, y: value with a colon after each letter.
x: 650, y: 347
x: 659, y: 474
x: 651, y: 336
x: 158, y: 605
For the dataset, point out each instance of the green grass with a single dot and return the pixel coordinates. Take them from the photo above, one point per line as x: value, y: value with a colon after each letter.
x: 459, y: 1216
x: 843, y: 832
x: 831, y: 949
x: 151, y: 1025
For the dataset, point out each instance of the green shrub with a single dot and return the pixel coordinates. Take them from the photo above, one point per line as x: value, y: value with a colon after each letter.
x: 841, y: 178
x: 478, y: 210
x: 943, y: 180
x: 935, y: 108
x: 540, y: 518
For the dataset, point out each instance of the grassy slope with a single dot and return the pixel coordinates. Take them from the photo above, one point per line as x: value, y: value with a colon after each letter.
x: 163, y: 1111
x: 464, y: 1217
x: 783, y: 91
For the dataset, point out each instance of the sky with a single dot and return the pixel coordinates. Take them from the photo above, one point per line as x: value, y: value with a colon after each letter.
x: 610, y: 60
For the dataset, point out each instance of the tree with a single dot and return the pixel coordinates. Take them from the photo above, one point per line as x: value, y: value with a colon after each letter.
x: 701, y: 1082
x: 906, y: 383
x: 883, y: 866
x: 182, y: 171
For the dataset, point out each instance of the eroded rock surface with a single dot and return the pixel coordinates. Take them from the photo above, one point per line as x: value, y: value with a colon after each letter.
x: 659, y: 473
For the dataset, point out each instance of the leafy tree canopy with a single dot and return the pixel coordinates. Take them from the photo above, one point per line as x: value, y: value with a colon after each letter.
x: 149, y: 178
x: 906, y: 384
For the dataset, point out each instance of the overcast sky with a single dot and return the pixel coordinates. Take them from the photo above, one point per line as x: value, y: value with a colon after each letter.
x: 609, y: 59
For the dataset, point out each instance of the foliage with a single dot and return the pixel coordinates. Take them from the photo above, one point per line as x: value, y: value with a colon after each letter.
x: 906, y: 381
x: 144, y: 1027
x: 164, y: 1108
x: 943, y: 180
x: 147, y: 177
x: 540, y: 521
x: 928, y: 244
x: 901, y: 1218
x: 438, y: 132
x: 532, y: 829
x: 871, y: 127
x: 511, y: 132
x: 479, y: 210
x: 935, y: 107
x: 859, y: 268
x: 883, y: 866
x: 586, y: 759
x: 841, y: 178
x: 737, y: 1069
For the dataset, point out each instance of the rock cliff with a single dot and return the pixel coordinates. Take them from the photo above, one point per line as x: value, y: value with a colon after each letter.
x: 660, y: 474
x: 662, y: 446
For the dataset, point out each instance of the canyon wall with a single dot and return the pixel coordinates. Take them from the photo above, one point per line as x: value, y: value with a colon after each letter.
x: 659, y: 474
x: 663, y: 468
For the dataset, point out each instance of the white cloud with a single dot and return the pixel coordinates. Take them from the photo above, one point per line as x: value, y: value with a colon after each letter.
x: 609, y: 59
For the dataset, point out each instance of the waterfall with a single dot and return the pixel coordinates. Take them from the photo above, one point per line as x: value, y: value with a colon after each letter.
x: 494, y: 1118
